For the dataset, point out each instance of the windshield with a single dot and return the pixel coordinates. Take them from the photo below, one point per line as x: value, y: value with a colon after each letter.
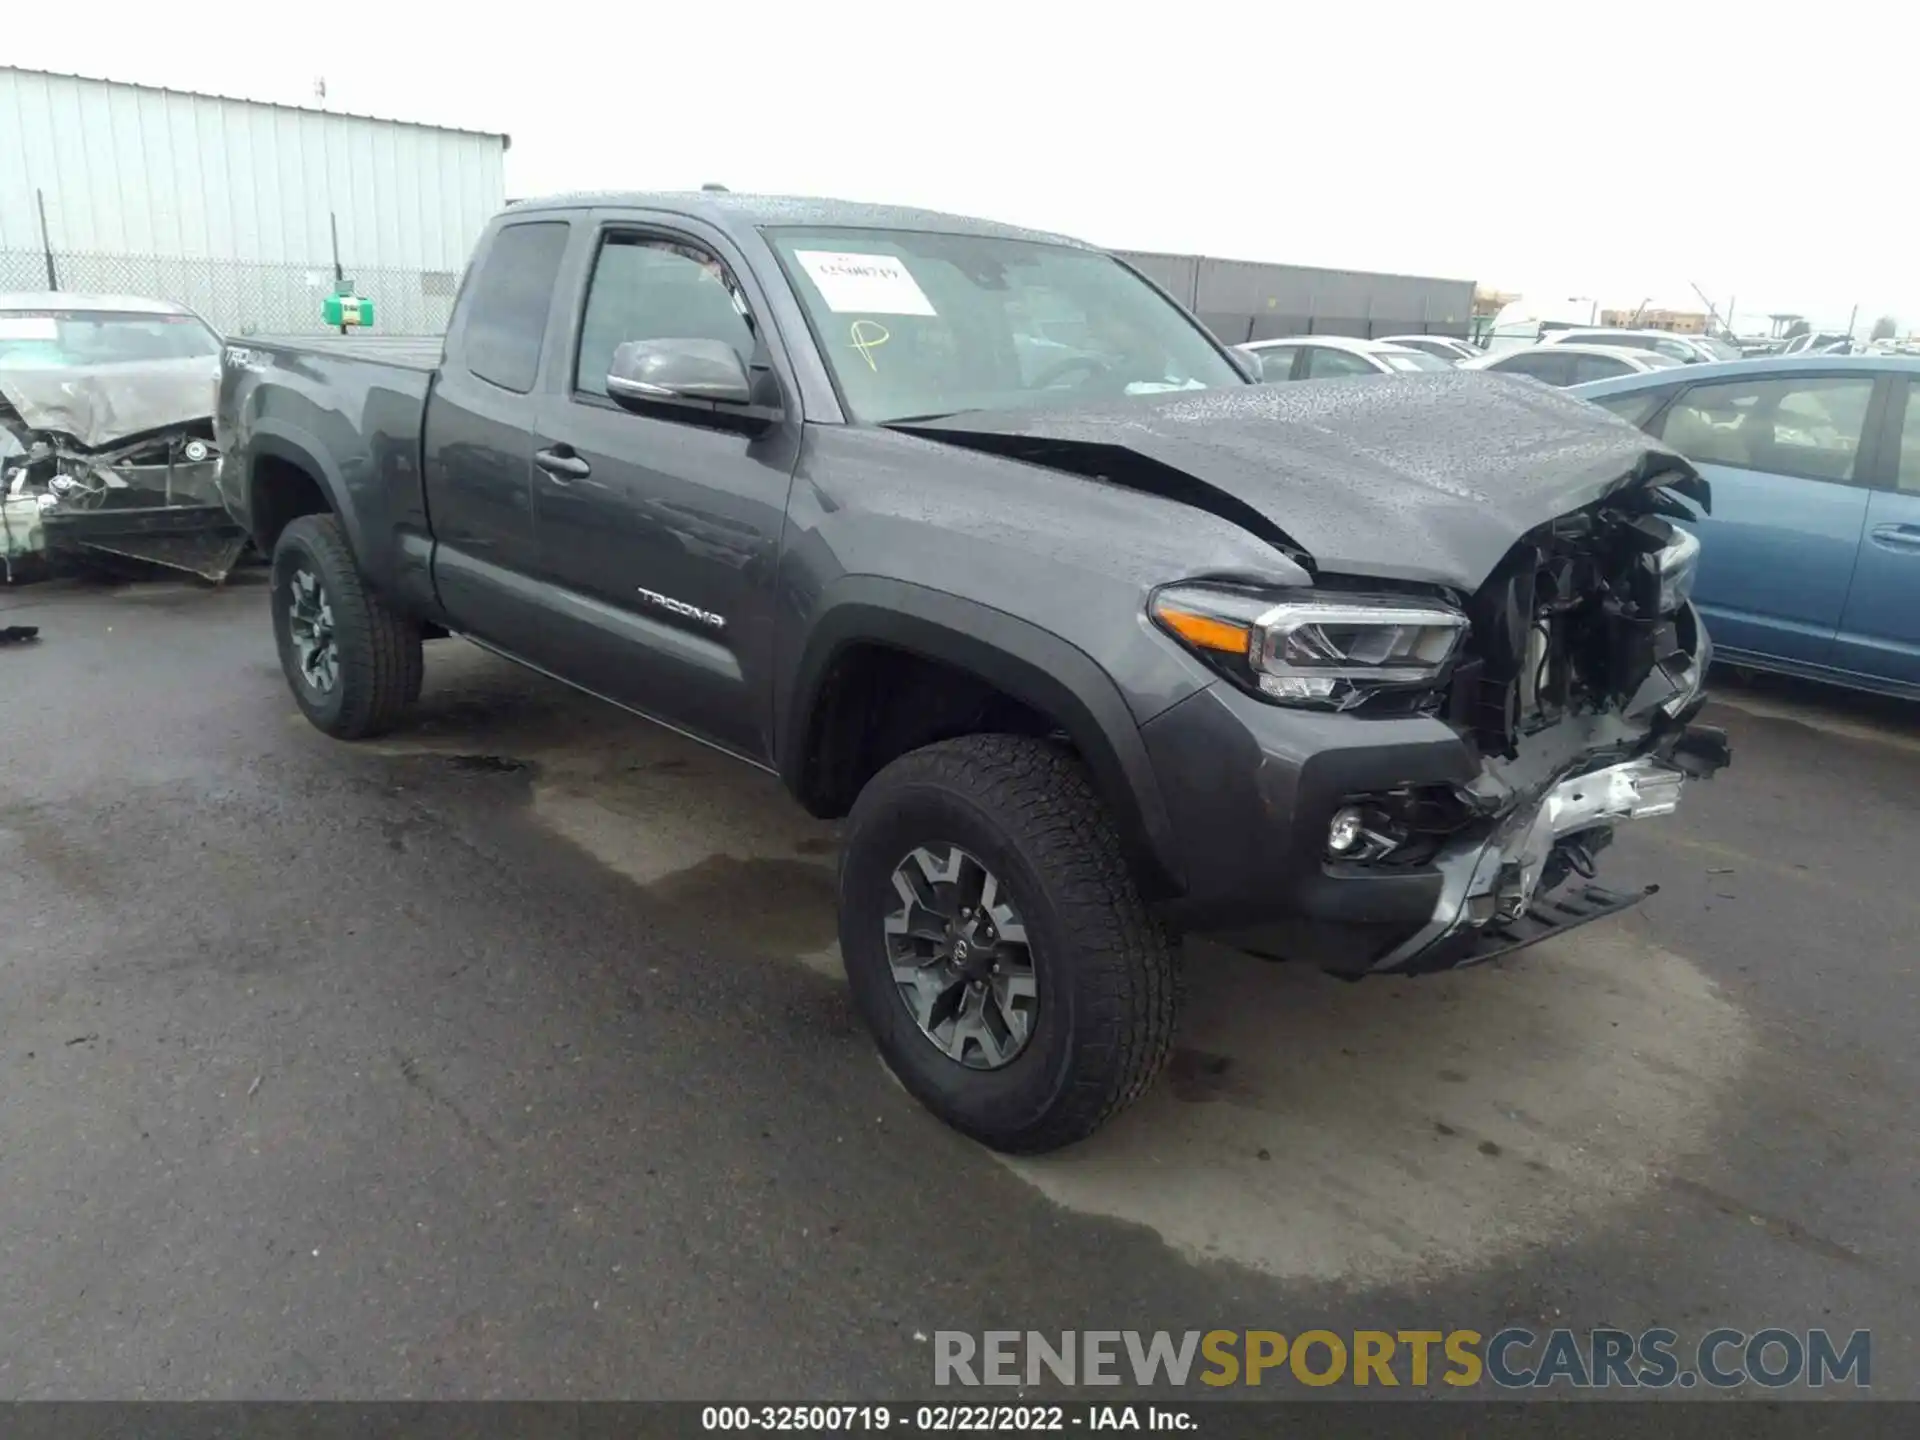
x: 1720, y: 348
x: 916, y: 324
x: 1413, y: 360
x: 55, y: 339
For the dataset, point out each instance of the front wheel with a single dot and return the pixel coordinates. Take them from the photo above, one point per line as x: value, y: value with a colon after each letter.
x: 997, y: 946
x: 353, y: 664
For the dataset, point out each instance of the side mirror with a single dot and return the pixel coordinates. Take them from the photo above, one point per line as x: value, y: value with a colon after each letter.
x: 655, y: 370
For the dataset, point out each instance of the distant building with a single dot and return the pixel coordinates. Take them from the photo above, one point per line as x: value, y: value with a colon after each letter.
x: 1242, y: 300
x: 1679, y: 322
x: 233, y: 206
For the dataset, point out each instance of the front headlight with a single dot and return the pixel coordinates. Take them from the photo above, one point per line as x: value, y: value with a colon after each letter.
x: 1677, y: 564
x: 1321, y: 650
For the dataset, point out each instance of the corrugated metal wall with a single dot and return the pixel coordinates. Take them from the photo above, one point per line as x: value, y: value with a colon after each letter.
x: 132, y: 171
x: 224, y: 204
x: 1243, y: 300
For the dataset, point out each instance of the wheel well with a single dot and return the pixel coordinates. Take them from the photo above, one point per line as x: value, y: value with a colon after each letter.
x: 282, y: 492
x: 877, y: 703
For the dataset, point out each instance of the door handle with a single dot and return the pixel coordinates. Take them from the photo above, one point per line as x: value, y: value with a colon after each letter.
x: 1897, y: 537
x: 562, y: 464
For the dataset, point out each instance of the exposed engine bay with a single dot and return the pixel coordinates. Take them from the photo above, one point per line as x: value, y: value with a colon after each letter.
x: 1577, y: 687
x: 96, y: 488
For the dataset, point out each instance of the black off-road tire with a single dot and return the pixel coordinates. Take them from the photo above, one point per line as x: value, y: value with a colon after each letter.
x: 1105, y: 969
x: 380, y: 664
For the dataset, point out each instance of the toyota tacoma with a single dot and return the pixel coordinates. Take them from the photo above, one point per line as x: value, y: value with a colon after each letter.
x: 976, y: 538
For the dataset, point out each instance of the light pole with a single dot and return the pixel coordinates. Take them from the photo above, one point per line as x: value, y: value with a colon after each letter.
x: 1593, y: 306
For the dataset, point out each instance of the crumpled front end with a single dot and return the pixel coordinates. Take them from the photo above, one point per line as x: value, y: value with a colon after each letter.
x: 1583, y: 675
x: 152, y: 496
x: 1434, y: 828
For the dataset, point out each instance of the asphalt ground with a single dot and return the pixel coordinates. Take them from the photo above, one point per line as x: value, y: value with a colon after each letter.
x: 508, y: 1057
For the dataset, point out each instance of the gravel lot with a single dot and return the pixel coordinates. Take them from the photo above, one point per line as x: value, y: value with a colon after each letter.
x: 509, y: 1057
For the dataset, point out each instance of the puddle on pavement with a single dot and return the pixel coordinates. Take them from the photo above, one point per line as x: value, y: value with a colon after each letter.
x: 1307, y: 1127
x: 1314, y: 1128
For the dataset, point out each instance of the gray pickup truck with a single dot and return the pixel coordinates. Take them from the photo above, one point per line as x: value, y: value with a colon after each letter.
x: 975, y: 537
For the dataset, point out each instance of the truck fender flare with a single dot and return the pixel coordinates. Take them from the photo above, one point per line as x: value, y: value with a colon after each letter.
x: 286, y: 442
x: 1020, y: 659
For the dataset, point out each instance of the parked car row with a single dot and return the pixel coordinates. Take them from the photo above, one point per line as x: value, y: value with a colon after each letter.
x: 1810, y: 557
x: 1570, y: 364
x: 1329, y: 357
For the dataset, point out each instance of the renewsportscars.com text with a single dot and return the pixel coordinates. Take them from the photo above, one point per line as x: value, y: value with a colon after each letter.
x: 1509, y: 1359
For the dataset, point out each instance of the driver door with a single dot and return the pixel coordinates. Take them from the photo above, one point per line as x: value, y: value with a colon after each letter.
x: 660, y: 532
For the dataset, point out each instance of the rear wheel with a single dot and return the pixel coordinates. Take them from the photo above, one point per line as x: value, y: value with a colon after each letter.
x: 997, y: 946
x: 353, y: 664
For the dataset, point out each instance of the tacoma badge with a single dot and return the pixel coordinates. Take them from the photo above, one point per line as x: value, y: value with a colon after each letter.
x: 681, y: 607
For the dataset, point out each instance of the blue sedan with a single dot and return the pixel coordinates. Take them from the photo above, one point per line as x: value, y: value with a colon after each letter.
x: 1810, y: 561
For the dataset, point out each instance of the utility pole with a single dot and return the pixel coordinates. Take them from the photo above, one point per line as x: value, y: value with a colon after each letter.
x: 46, y: 243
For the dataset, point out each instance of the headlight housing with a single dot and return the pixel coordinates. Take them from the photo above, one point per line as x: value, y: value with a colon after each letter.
x: 1314, y: 649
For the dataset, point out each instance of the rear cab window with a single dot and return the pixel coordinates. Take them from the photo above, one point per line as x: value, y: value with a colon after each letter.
x: 504, y: 319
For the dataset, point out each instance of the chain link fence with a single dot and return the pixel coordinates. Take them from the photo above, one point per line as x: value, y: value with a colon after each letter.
x: 243, y: 298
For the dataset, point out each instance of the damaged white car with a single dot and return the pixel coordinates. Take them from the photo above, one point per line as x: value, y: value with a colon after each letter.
x: 106, y: 433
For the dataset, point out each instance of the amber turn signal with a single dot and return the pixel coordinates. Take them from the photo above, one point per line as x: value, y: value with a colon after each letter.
x: 1205, y: 631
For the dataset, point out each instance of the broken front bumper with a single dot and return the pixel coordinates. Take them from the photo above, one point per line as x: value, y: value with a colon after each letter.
x: 1490, y: 899
x: 165, y: 515
x: 1250, y: 790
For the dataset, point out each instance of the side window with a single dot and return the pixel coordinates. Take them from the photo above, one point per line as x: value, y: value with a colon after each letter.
x: 1325, y: 363
x: 645, y: 288
x: 1807, y: 426
x: 1553, y: 369
x: 1277, y: 363
x: 1597, y: 367
x: 1908, y: 476
x: 1636, y: 406
x: 507, y: 313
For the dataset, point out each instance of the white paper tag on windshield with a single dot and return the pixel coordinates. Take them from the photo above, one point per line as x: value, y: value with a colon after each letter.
x: 29, y: 327
x: 858, y: 284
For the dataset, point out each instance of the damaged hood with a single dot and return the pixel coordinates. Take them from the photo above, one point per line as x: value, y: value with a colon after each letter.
x: 100, y: 404
x: 1428, y: 477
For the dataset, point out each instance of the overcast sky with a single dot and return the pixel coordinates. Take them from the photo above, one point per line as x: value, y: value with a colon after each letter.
x: 1615, y: 150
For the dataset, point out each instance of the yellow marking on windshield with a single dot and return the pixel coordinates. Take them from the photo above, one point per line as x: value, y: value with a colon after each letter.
x: 867, y: 336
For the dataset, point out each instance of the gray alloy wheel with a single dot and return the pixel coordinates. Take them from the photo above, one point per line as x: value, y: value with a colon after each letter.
x: 960, y: 960
x: 310, y: 625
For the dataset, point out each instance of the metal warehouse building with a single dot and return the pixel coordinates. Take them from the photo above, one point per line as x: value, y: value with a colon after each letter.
x: 1242, y: 300
x: 232, y: 206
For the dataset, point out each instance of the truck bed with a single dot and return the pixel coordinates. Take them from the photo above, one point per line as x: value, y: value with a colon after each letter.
x: 411, y: 352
